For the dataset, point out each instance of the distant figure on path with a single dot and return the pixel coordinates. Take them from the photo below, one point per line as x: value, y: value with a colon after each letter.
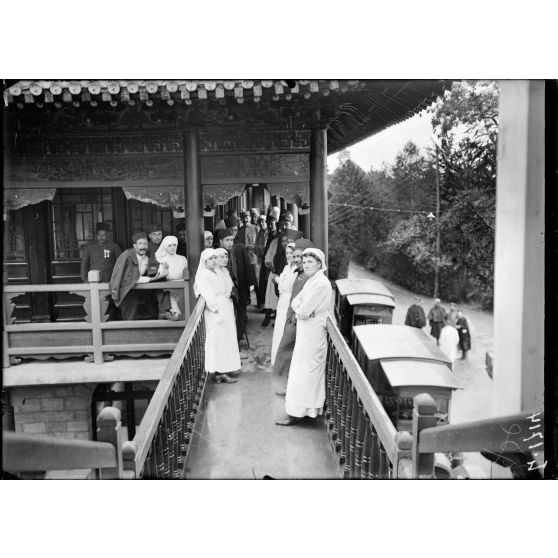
x: 436, y: 317
x: 449, y: 340
x: 415, y: 315
x: 464, y: 330
x: 305, y: 395
x: 451, y: 316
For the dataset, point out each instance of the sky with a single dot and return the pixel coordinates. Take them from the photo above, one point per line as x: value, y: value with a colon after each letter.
x: 383, y: 147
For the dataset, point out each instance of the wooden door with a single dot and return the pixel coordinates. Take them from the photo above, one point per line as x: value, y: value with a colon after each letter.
x: 26, y: 248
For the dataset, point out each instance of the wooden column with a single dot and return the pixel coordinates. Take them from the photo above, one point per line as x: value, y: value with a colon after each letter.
x: 519, y: 253
x: 258, y: 197
x: 193, y: 205
x: 293, y: 208
x: 318, y: 189
x: 38, y: 233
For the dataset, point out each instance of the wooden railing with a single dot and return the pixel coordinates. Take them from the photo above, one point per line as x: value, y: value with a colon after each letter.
x: 514, y: 441
x: 162, y: 441
x: 35, y: 453
x: 95, y: 336
x: 365, y: 442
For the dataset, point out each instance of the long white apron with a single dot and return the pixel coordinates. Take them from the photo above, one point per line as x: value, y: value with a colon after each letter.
x: 306, y: 385
x: 221, y: 346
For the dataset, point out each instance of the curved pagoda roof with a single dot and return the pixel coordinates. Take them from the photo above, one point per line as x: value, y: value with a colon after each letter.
x: 352, y: 110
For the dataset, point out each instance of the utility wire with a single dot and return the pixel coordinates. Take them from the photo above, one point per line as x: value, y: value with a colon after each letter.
x: 393, y: 210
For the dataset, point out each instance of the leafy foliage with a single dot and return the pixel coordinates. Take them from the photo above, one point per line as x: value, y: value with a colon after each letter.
x: 397, y: 238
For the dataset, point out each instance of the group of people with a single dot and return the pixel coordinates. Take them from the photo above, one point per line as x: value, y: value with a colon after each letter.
x: 151, y: 258
x: 297, y: 292
x: 451, y: 329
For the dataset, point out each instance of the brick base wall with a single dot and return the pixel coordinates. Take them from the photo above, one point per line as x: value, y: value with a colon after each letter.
x: 63, y: 411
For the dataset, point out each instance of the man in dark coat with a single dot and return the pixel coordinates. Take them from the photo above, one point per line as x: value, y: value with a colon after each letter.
x: 135, y: 266
x: 100, y: 255
x: 415, y: 315
x: 436, y: 317
x: 182, y: 248
x: 287, y: 343
x: 155, y: 237
x: 242, y: 274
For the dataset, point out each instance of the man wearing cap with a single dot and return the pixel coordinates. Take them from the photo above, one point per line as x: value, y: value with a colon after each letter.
x: 99, y: 255
x: 261, y: 242
x: 155, y: 237
x: 254, y: 216
x: 247, y: 236
x: 182, y: 248
x: 242, y: 275
x: 287, y: 343
x: 135, y: 266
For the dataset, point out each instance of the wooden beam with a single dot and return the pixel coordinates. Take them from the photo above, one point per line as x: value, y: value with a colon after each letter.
x: 519, y: 252
x: 318, y: 189
x: 31, y: 452
x: 193, y: 203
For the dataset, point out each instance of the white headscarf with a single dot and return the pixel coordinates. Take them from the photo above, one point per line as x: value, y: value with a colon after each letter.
x: 221, y: 251
x: 161, y: 252
x: 204, y: 256
x: 319, y: 254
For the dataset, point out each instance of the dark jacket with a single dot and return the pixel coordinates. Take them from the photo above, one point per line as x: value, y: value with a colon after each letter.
x: 101, y: 257
x: 244, y: 270
x: 415, y: 316
x: 126, y: 274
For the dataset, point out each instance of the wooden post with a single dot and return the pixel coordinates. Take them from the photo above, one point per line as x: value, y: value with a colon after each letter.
x: 5, y: 321
x: 129, y: 451
x: 93, y: 277
x: 424, y: 410
x: 293, y: 208
x: 437, y: 256
x: 318, y: 189
x: 402, y: 466
x: 519, y: 308
x: 193, y: 204
x: 109, y: 429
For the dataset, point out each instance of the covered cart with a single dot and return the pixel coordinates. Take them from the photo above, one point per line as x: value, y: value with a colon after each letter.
x: 401, y: 362
x: 362, y: 301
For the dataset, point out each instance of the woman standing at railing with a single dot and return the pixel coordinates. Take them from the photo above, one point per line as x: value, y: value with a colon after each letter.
x: 306, y: 385
x: 175, y: 264
x: 215, y: 286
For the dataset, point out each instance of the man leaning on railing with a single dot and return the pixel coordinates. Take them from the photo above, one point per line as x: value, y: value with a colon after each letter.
x: 135, y: 266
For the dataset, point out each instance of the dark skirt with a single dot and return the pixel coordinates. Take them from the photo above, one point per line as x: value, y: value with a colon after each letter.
x: 435, y: 329
x: 464, y: 336
x: 285, y: 350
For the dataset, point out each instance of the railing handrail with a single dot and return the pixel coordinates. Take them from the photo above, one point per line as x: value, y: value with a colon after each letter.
x: 36, y: 452
x: 495, y: 434
x: 62, y: 287
x: 147, y: 430
x: 380, y: 420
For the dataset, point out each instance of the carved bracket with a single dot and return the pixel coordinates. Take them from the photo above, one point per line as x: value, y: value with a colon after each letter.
x: 10, y: 306
x: 86, y: 303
